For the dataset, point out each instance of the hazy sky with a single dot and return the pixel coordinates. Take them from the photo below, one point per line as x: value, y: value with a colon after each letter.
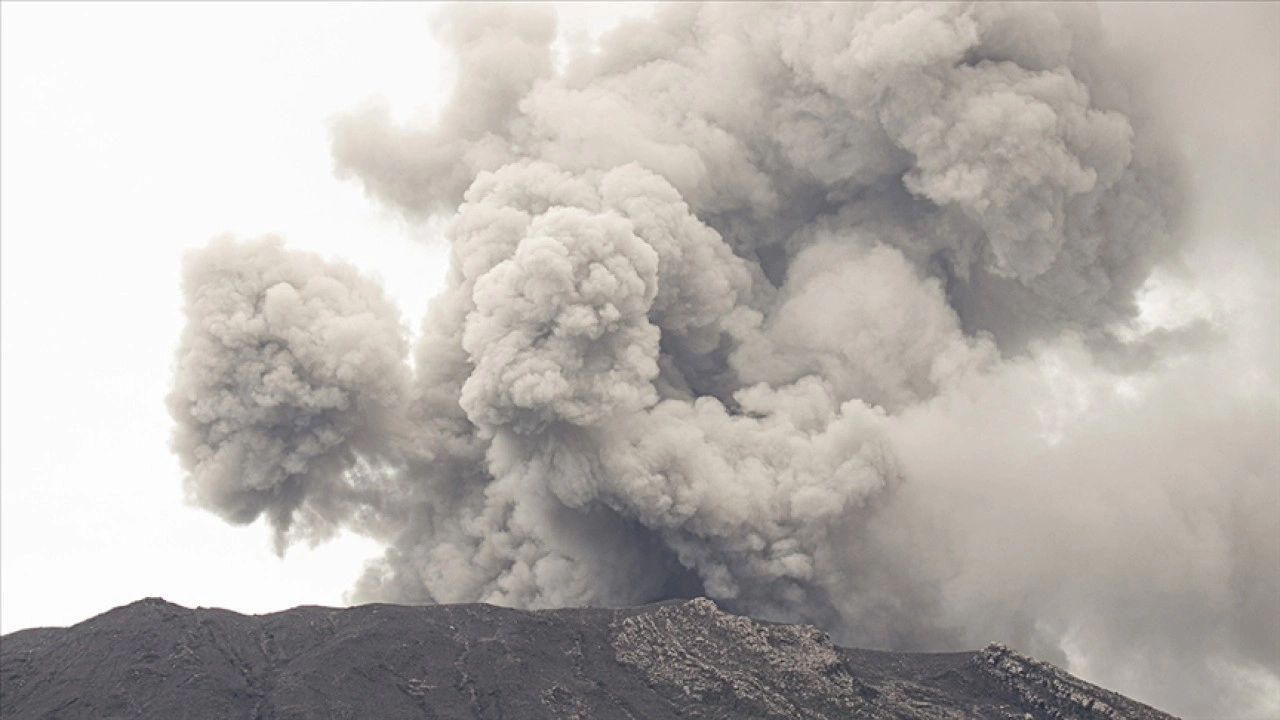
x: 134, y: 132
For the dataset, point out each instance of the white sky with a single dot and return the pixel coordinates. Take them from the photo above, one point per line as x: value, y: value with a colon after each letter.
x: 130, y: 133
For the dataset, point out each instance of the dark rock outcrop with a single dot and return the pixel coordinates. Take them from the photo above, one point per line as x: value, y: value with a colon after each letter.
x: 154, y: 659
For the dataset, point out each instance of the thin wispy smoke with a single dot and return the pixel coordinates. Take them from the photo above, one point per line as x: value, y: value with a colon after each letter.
x: 843, y: 314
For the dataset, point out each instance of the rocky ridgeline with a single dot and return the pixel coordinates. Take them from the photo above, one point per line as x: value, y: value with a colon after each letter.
x: 1054, y: 693
x: 755, y: 669
x: 154, y: 659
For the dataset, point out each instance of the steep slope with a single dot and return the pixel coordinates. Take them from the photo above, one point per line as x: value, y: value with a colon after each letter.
x: 154, y: 659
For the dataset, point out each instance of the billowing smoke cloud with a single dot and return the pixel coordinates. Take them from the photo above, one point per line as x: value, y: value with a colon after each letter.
x: 291, y: 368
x: 844, y: 314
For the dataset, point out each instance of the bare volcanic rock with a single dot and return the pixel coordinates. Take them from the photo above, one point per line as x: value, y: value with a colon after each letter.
x: 154, y: 659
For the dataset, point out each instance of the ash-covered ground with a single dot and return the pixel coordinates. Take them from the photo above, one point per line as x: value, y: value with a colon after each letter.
x: 680, y: 659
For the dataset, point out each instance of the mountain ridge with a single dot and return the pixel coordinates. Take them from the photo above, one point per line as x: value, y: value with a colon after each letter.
x: 686, y: 659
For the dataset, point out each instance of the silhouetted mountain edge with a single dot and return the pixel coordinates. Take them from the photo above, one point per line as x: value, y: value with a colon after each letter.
x: 679, y: 659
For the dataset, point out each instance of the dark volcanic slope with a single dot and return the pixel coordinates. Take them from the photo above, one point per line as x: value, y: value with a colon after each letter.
x: 153, y: 659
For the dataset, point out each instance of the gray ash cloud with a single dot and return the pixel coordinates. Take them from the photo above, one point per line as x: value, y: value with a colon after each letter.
x: 828, y: 312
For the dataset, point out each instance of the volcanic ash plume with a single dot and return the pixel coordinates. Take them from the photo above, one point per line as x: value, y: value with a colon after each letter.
x: 290, y: 369
x: 813, y: 309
